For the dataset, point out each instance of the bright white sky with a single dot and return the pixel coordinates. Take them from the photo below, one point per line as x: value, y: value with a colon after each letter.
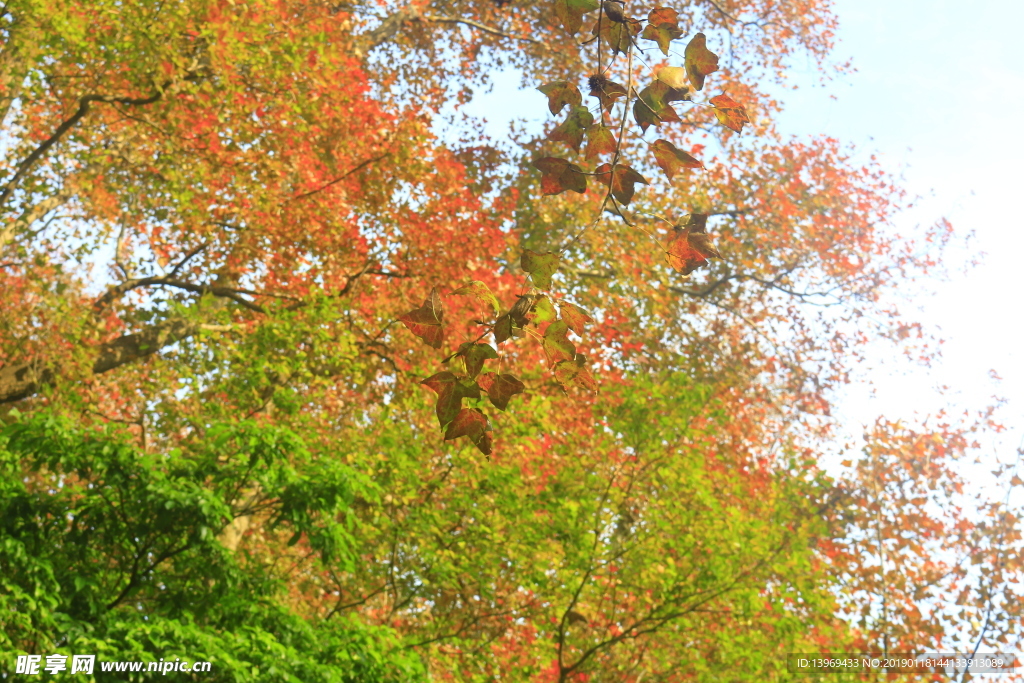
x: 938, y: 95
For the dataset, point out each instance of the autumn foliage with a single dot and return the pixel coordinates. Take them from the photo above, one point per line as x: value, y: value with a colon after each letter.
x: 301, y: 372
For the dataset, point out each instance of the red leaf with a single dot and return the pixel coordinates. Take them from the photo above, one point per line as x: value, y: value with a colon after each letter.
x: 450, y: 391
x: 574, y: 317
x: 474, y: 356
x: 729, y: 112
x: 621, y: 180
x: 500, y: 388
x: 559, y: 175
x: 699, y: 60
x: 472, y: 423
x: 561, y: 93
x: 600, y: 140
x: 427, y: 320
x: 691, y: 248
x: 672, y: 160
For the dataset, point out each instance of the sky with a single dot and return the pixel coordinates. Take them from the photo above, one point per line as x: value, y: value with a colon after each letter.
x: 938, y: 95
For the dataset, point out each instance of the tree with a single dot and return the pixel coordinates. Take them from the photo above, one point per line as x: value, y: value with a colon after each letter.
x: 262, y: 191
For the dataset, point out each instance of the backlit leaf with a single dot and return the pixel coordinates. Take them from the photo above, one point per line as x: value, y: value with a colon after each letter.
x: 451, y: 389
x: 729, y: 112
x: 559, y: 175
x: 622, y: 180
x: 426, y: 321
x: 502, y: 329
x: 472, y: 423
x: 606, y: 91
x: 617, y: 36
x: 540, y: 267
x: 474, y: 356
x: 699, y: 60
x: 652, y: 104
x: 575, y: 371
x: 570, y: 13
x: 672, y: 160
x: 572, y: 130
x: 561, y: 93
x: 662, y: 27
x: 500, y: 388
x: 600, y: 140
x: 673, y: 77
x: 691, y: 247
x: 556, y: 345
x: 542, y: 311
x: 576, y: 318
x: 481, y: 292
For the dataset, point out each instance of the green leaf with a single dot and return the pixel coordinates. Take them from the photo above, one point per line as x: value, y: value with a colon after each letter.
x: 729, y: 112
x: 618, y: 36
x: 699, y: 60
x: 540, y: 267
x: 652, y: 105
x: 472, y: 423
x: 622, y: 180
x: 542, y: 311
x: 600, y: 140
x: 426, y: 321
x: 570, y: 13
x: 561, y: 93
x: 556, y: 345
x: 500, y: 388
x: 672, y: 160
x: 481, y: 292
x: 574, y: 128
x: 575, y: 371
x: 474, y: 356
x: 575, y: 317
x: 450, y: 389
x: 559, y: 175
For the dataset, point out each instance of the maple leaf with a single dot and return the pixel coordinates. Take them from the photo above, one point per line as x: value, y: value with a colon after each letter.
x: 673, y: 77
x: 617, y: 35
x: 500, y: 388
x: 426, y: 321
x: 474, y: 356
x: 605, y: 91
x: 570, y: 13
x: 575, y: 371
x: 574, y: 317
x: 690, y: 247
x: 572, y: 130
x: 502, y: 328
x: 556, y: 344
x: 540, y: 267
x: 672, y: 160
x: 472, y: 423
x: 622, y: 180
x: 559, y: 175
x: 450, y: 389
x: 651, y: 106
x: 699, y: 60
x: 561, y: 93
x: 542, y: 311
x: 481, y: 292
x: 729, y: 112
x: 662, y: 27
x: 600, y: 140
